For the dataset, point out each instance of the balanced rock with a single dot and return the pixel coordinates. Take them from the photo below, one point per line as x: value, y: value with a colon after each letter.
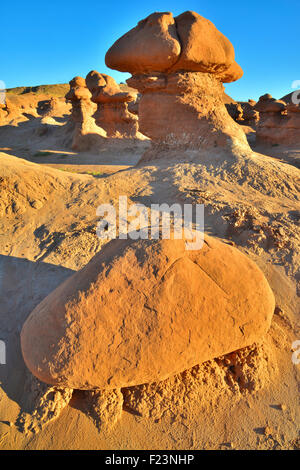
x: 178, y: 65
x: 83, y: 126
x: 112, y: 112
x: 141, y: 311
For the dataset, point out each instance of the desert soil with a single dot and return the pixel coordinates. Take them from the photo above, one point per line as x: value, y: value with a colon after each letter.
x: 49, y: 195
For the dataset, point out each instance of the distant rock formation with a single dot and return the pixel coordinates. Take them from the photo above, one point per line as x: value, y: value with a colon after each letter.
x: 53, y: 107
x: 85, y: 131
x: 250, y: 116
x: 112, y: 113
x: 279, y: 123
x: 9, y: 112
x: 243, y: 112
x: 178, y: 65
x: 235, y: 110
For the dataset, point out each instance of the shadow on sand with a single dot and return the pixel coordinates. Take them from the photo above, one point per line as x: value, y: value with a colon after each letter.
x: 45, y: 143
x: 23, y: 285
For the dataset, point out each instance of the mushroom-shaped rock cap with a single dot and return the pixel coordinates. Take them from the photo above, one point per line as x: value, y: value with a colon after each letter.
x: 267, y: 104
x: 105, y: 89
x: 94, y: 80
x: 78, y: 90
x: 203, y: 47
x: 161, y: 43
x: 152, y: 45
x: 77, y: 81
x: 143, y: 310
x: 232, y: 74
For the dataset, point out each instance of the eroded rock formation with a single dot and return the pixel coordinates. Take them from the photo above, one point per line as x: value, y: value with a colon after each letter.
x: 3, y: 113
x: 279, y: 123
x: 112, y: 112
x: 250, y: 115
x: 53, y: 107
x: 84, y: 129
x: 243, y: 112
x: 235, y: 110
x: 9, y: 112
x: 178, y: 65
x: 141, y: 311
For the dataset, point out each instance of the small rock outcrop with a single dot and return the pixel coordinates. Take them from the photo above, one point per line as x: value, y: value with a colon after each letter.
x: 53, y: 107
x: 112, y: 113
x: 179, y: 66
x: 141, y: 311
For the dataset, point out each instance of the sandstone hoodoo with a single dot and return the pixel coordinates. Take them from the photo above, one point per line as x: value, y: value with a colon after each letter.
x: 243, y: 112
x: 141, y: 311
x: 84, y: 128
x: 112, y: 112
x: 279, y: 123
x: 250, y: 115
x: 179, y: 66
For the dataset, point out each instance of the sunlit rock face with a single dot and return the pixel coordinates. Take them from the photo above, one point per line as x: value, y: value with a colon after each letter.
x: 279, y: 123
x: 143, y: 310
x: 84, y: 129
x: 179, y: 66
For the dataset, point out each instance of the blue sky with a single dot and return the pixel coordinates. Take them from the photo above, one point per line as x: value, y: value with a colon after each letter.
x: 51, y: 42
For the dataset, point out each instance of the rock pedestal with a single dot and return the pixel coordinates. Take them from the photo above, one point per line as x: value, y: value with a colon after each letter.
x: 184, y: 108
x: 250, y: 116
x: 83, y: 124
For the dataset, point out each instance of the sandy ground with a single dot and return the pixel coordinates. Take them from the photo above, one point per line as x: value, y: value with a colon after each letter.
x: 248, y: 400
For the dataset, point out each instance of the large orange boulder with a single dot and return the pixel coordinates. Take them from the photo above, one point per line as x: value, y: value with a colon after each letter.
x: 141, y: 311
x: 179, y: 66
